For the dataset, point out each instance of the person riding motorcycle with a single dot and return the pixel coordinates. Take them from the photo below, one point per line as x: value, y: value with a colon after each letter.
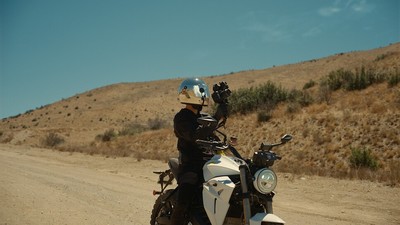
x: 194, y: 93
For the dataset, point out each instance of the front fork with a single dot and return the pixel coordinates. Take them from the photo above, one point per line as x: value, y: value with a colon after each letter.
x: 246, y: 195
x: 269, y: 203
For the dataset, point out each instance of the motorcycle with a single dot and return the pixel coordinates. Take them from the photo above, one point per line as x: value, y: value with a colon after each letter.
x: 235, y: 191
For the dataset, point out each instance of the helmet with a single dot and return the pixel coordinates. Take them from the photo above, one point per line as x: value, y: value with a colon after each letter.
x: 194, y: 91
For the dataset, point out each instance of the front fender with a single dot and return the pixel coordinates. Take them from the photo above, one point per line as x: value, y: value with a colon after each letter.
x: 264, y: 217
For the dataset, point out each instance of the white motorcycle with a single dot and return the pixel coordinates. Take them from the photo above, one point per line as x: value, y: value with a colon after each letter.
x: 235, y: 191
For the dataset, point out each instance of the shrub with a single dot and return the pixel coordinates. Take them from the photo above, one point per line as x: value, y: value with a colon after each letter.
x: 362, y: 158
x: 107, y: 136
x: 52, y: 140
x: 132, y: 128
x: 309, y: 84
x: 349, y: 80
x: 29, y: 111
x: 394, y: 79
x: 242, y: 101
x: 156, y: 123
x: 324, y: 92
x: 265, y: 96
x: 336, y: 79
x: 303, y: 98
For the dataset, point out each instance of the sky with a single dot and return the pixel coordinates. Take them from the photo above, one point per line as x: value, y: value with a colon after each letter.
x: 54, y: 49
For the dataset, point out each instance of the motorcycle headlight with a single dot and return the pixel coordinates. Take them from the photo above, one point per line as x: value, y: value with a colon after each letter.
x: 265, y: 181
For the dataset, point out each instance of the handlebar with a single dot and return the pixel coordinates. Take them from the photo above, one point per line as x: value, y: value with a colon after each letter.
x: 213, y: 145
x: 268, y: 147
x: 219, y: 146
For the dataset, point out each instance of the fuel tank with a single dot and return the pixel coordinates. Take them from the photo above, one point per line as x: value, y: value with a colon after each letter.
x: 221, y: 165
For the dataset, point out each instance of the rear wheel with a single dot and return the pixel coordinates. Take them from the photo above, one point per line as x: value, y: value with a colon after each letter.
x: 163, y: 208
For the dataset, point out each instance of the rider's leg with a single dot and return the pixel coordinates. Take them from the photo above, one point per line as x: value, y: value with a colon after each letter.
x: 186, y: 192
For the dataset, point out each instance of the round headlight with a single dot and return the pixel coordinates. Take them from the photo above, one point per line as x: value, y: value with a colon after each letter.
x: 265, y: 181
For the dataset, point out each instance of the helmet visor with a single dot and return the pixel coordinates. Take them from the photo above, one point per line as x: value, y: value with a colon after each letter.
x: 194, y: 91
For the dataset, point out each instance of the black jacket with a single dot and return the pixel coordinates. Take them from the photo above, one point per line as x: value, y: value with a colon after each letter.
x: 187, y: 131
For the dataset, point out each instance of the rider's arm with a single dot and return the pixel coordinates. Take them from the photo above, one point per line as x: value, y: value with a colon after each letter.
x: 189, y: 130
x: 221, y: 112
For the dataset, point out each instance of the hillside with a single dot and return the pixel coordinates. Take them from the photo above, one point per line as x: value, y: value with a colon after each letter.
x: 324, y: 133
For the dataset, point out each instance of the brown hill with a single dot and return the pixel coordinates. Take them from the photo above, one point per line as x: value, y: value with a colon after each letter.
x: 324, y: 134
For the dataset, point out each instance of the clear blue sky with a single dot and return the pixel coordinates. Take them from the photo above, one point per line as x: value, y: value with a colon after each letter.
x: 54, y: 49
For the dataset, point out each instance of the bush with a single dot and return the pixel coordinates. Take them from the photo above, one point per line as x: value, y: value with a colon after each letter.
x: 156, y: 124
x: 52, y: 140
x: 107, y: 136
x: 362, y: 158
x: 335, y: 79
x: 132, y: 128
x: 309, y: 84
x: 394, y: 79
x: 266, y: 96
x: 303, y: 98
x: 358, y: 80
x: 325, y: 92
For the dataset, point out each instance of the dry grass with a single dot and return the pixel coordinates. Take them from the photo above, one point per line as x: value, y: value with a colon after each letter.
x: 324, y: 132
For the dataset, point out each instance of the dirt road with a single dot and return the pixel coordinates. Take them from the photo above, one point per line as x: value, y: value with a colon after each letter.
x: 39, y: 186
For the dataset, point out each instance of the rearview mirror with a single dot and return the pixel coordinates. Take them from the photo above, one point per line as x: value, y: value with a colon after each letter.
x: 286, y: 138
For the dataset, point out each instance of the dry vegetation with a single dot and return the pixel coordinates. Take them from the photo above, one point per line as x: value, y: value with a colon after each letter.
x: 346, y: 132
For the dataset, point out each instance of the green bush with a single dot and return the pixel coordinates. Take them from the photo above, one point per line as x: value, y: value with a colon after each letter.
x: 394, y: 79
x: 362, y: 158
x: 268, y: 95
x: 349, y: 80
x: 303, y: 98
x: 265, y: 96
x: 336, y: 79
x: 309, y: 84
